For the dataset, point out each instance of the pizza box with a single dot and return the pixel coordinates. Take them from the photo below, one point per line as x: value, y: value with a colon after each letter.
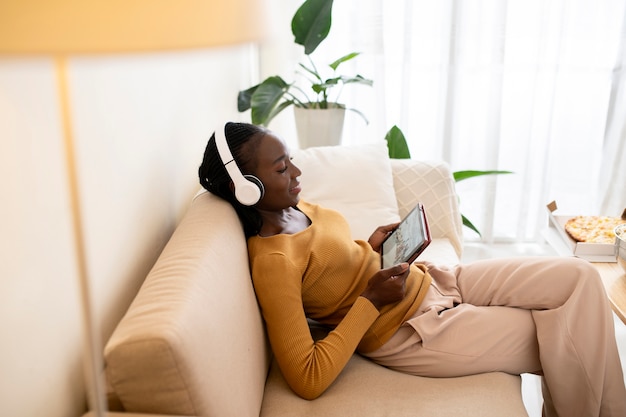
x: 558, y: 238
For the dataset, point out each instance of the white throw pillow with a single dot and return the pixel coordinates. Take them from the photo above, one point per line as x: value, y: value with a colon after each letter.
x: 355, y: 180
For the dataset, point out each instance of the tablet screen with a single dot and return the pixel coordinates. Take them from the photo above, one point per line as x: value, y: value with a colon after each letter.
x: 408, y: 240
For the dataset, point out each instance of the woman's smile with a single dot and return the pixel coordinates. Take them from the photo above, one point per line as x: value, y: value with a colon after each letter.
x: 295, y: 190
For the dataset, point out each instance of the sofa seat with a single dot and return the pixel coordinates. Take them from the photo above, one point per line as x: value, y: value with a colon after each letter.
x: 367, y: 389
x: 192, y: 342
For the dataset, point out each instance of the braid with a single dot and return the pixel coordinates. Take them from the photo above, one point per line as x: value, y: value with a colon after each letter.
x: 242, y: 139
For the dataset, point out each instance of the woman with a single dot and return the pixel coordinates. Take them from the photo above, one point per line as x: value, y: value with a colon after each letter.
x: 538, y: 315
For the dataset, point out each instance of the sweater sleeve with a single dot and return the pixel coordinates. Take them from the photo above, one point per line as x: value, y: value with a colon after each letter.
x: 309, y: 367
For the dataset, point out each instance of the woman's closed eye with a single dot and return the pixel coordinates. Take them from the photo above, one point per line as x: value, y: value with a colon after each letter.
x: 284, y: 168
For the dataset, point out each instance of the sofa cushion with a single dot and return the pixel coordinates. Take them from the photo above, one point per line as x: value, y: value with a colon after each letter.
x: 193, y: 341
x: 354, y: 180
x: 432, y: 184
x: 367, y: 389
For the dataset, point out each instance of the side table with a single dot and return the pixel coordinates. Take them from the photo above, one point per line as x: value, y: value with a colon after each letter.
x: 614, y: 280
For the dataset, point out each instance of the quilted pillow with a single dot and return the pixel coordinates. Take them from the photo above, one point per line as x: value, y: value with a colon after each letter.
x: 357, y: 181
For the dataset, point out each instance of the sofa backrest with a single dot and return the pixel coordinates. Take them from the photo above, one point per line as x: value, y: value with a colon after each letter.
x: 165, y: 356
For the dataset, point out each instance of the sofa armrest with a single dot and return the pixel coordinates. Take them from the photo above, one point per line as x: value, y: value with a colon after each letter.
x: 432, y: 184
x: 193, y: 341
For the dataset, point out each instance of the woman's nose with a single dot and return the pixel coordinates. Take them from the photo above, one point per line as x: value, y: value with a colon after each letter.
x: 296, y: 171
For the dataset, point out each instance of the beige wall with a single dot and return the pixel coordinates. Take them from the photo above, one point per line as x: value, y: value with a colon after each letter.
x: 140, y: 124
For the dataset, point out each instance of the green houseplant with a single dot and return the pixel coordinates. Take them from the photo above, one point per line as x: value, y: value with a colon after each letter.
x: 310, y: 26
x: 398, y: 149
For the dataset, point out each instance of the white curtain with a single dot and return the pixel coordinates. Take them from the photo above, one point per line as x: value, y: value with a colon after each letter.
x: 536, y: 87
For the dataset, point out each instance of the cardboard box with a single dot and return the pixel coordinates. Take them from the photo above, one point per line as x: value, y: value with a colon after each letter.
x: 558, y: 238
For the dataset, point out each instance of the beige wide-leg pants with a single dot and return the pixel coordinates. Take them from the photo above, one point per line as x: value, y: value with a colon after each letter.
x: 548, y: 316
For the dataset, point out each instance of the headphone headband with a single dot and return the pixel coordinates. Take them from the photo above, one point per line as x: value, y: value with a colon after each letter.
x: 222, y: 146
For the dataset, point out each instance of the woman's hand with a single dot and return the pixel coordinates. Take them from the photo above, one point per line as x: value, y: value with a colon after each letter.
x: 387, y: 286
x: 380, y: 234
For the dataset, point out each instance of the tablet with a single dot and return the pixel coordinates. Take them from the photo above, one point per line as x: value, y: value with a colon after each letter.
x: 409, y: 239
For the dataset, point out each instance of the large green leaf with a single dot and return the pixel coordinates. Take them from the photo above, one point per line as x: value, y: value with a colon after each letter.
x: 331, y: 82
x: 244, y: 98
x: 469, y: 225
x: 357, y: 79
x: 344, y: 58
x: 265, y: 99
x: 311, y: 23
x: 398, y: 148
x: 463, y: 175
x: 282, y: 106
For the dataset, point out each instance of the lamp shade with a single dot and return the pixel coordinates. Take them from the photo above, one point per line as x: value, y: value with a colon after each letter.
x: 113, y: 26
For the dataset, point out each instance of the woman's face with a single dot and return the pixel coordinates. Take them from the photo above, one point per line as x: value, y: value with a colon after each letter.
x: 277, y: 173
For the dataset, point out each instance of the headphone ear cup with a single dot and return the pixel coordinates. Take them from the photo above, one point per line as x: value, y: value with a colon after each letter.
x: 258, y: 183
x: 249, y: 192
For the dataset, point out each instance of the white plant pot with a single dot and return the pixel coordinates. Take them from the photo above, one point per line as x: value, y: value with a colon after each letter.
x: 319, y: 127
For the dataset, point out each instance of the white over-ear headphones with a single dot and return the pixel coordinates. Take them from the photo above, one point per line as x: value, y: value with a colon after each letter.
x: 248, y: 188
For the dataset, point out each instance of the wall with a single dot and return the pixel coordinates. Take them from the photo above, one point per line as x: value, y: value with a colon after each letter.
x: 140, y: 124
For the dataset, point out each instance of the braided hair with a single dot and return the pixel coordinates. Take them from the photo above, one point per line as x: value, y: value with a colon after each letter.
x: 243, y: 140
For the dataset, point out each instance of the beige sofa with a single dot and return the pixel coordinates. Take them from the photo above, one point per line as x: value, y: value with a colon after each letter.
x: 192, y: 343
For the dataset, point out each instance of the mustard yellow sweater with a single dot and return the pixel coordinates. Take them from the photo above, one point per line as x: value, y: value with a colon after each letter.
x: 320, y: 273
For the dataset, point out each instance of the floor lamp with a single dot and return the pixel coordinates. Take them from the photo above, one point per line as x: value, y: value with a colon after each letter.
x: 64, y: 28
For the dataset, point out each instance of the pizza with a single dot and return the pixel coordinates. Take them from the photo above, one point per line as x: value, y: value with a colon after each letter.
x: 593, y: 229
